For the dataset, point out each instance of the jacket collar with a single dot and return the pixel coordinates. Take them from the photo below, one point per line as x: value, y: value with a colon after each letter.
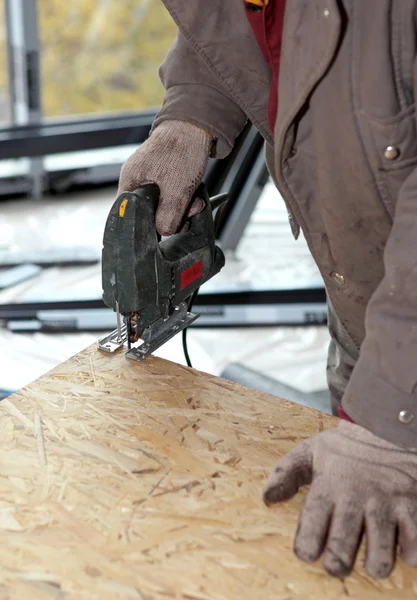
x: 229, y: 49
x: 311, y: 35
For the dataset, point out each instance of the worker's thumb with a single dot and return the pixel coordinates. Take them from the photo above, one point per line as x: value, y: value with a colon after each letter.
x: 175, y: 158
x: 291, y: 472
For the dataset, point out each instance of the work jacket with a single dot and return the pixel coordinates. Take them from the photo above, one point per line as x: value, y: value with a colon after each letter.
x: 343, y: 155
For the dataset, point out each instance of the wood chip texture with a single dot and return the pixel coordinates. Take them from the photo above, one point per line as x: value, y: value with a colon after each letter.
x: 143, y: 480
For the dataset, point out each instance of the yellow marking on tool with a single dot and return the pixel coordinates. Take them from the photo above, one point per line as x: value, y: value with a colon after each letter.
x: 258, y: 2
x: 123, y: 208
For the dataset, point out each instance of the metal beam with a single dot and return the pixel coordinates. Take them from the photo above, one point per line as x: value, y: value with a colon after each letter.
x: 73, y: 136
x: 24, y: 74
x: 235, y: 306
x: 241, y: 213
x: 24, y: 61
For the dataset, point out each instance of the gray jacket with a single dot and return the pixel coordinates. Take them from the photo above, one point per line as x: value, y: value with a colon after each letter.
x: 343, y: 156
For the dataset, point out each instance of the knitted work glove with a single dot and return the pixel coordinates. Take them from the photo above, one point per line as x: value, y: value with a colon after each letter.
x: 175, y: 158
x: 359, y: 482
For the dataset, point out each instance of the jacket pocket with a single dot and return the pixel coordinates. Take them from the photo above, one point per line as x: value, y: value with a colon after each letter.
x: 395, y: 147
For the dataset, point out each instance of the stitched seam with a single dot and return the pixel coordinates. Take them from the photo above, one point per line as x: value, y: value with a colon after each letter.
x: 201, y: 124
x: 205, y: 85
x: 394, y: 119
x: 295, y: 208
x: 356, y: 104
x: 397, y: 52
x: 219, y: 134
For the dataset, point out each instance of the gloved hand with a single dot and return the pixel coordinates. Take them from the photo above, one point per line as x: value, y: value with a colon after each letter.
x: 174, y: 158
x: 358, y: 481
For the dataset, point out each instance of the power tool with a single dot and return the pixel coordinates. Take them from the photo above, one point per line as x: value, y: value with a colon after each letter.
x: 148, y: 281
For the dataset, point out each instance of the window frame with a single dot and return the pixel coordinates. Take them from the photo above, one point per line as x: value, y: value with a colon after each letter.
x: 31, y: 137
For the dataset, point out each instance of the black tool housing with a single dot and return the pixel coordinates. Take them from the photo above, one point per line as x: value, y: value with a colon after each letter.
x: 144, y: 275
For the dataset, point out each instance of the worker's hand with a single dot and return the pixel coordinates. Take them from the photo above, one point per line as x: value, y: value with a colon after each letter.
x: 174, y: 158
x: 358, y: 482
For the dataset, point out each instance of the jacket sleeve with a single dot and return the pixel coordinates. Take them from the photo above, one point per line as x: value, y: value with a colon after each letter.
x: 193, y: 94
x: 382, y: 392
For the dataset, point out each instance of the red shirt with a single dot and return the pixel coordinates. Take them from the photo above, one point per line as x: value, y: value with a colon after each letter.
x: 267, y: 20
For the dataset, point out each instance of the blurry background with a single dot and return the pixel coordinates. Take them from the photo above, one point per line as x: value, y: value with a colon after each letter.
x: 79, y: 88
x: 102, y: 55
x: 4, y: 96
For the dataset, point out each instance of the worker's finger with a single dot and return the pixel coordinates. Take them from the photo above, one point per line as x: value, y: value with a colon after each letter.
x: 380, y: 527
x: 344, y: 537
x: 173, y: 209
x: 407, y: 532
x: 313, y: 523
x: 197, y: 205
x: 292, y: 471
x: 174, y: 158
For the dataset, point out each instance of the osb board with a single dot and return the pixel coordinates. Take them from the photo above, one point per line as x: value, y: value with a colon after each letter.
x: 143, y: 480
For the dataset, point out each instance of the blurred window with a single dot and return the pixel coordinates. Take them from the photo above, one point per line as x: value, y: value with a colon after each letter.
x: 4, y: 88
x: 99, y: 56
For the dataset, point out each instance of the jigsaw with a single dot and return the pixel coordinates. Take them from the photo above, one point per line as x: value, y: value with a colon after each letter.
x: 149, y: 282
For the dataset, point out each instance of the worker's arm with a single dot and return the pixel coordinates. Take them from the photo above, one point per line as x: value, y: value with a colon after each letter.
x: 365, y: 475
x: 197, y: 120
x: 193, y: 94
x: 382, y: 392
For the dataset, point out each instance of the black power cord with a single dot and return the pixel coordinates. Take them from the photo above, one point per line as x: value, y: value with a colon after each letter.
x: 219, y: 203
x: 184, y: 331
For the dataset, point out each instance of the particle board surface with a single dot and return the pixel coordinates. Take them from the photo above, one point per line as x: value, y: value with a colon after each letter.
x: 143, y: 480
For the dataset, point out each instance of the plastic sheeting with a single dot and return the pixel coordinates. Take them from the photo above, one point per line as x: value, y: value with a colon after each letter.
x: 267, y: 256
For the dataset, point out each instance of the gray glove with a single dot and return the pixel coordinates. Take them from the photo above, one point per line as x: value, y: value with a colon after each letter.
x: 174, y: 158
x: 358, y: 481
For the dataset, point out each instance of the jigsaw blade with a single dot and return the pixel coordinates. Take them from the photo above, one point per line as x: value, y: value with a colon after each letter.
x: 157, y: 334
x: 153, y: 337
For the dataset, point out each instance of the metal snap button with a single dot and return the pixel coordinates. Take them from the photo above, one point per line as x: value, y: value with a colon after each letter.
x: 338, y: 278
x: 326, y: 12
x: 391, y: 152
x: 405, y: 417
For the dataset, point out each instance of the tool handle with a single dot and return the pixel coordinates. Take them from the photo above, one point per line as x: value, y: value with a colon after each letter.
x: 203, y: 223
x: 200, y: 232
x: 130, y: 244
x: 144, y: 275
x: 218, y: 200
x: 194, y: 252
